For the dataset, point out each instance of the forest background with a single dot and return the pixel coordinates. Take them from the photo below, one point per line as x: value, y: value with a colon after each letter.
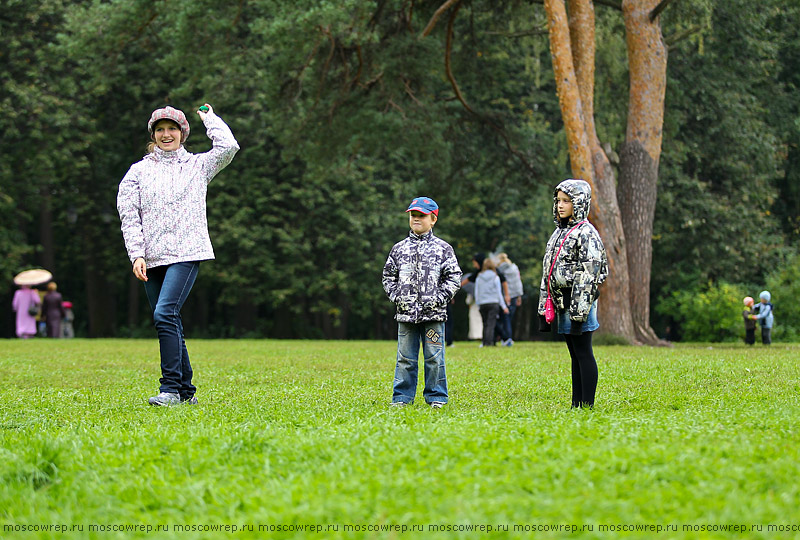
x: 344, y: 112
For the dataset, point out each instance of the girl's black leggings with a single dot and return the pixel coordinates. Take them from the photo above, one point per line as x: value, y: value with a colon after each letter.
x: 584, y: 369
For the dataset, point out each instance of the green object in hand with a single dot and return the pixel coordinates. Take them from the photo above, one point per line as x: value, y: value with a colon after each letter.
x: 204, y: 108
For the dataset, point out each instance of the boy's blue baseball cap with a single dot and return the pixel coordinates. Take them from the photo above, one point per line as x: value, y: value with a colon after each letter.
x: 426, y: 205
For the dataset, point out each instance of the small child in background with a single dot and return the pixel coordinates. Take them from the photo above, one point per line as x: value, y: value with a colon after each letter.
x: 489, y: 298
x: 421, y: 276
x: 749, y: 321
x: 765, y: 317
x: 67, y: 326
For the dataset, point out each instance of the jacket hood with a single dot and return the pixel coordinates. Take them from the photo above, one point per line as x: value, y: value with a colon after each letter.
x: 765, y: 296
x: 581, y: 194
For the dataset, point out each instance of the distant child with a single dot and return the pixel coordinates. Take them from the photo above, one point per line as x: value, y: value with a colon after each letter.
x: 421, y: 276
x: 574, y: 266
x: 765, y: 317
x: 69, y: 317
x: 489, y: 298
x: 749, y: 321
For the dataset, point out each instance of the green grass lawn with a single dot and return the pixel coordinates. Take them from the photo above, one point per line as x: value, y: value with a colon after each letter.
x: 299, y: 433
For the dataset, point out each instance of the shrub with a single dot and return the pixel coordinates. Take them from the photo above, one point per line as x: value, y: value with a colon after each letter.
x: 709, y: 312
x: 784, y: 286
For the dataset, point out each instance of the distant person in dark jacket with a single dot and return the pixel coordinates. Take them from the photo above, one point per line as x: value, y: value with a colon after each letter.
x: 749, y: 321
x: 52, y: 310
x: 515, y: 292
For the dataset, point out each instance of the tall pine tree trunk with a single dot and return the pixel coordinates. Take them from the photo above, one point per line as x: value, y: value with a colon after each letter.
x: 614, y: 307
x: 572, y: 49
x: 640, y: 154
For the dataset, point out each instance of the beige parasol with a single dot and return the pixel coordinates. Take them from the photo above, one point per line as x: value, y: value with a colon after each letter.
x: 33, y: 277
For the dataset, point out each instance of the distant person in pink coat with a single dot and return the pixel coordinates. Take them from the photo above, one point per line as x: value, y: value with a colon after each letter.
x: 24, y: 300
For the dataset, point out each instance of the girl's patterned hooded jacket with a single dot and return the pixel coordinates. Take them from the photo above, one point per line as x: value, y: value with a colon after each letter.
x: 421, y: 276
x: 162, y: 200
x: 582, y: 264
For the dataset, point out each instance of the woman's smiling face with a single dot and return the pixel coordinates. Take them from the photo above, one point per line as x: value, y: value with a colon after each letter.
x: 167, y: 135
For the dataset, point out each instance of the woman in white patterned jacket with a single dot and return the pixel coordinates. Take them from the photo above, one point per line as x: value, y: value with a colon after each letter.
x: 162, y: 206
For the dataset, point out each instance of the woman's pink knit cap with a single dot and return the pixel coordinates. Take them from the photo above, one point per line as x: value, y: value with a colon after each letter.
x: 169, y: 113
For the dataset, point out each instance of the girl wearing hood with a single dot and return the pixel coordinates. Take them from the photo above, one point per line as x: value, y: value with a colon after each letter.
x: 162, y: 206
x: 574, y: 266
x: 765, y: 317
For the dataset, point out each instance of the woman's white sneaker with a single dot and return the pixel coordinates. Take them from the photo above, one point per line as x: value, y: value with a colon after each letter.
x: 165, y: 399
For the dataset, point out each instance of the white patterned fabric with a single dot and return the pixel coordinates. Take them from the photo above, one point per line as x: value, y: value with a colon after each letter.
x: 582, y: 263
x: 162, y: 200
x: 421, y: 276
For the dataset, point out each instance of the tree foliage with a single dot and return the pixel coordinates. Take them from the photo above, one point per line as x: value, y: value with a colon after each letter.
x: 344, y: 112
x: 716, y: 217
x: 711, y: 312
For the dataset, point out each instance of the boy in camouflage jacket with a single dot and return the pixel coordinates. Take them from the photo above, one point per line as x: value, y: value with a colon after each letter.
x: 421, y: 276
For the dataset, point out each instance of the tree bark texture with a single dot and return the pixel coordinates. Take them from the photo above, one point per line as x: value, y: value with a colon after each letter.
x: 639, y: 157
x: 439, y: 12
x: 614, y: 307
x: 569, y: 97
x: 581, y: 36
x: 638, y: 203
x: 573, y: 60
x: 647, y: 61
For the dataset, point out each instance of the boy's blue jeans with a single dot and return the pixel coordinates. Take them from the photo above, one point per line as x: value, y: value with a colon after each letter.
x: 409, y: 337
x: 167, y: 288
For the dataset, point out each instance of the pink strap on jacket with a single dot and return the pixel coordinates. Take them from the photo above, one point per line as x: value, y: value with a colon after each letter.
x: 559, y: 251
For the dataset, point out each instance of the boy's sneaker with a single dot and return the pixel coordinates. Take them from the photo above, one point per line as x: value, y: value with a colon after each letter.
x: 508, y: 343
x: 165, y: 399
x: 437, y: 404
x: 400, y: 404
x: 191, y: 401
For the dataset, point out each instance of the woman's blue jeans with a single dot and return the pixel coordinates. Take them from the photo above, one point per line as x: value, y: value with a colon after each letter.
x: 409, y: 336
x: 167, y: 288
